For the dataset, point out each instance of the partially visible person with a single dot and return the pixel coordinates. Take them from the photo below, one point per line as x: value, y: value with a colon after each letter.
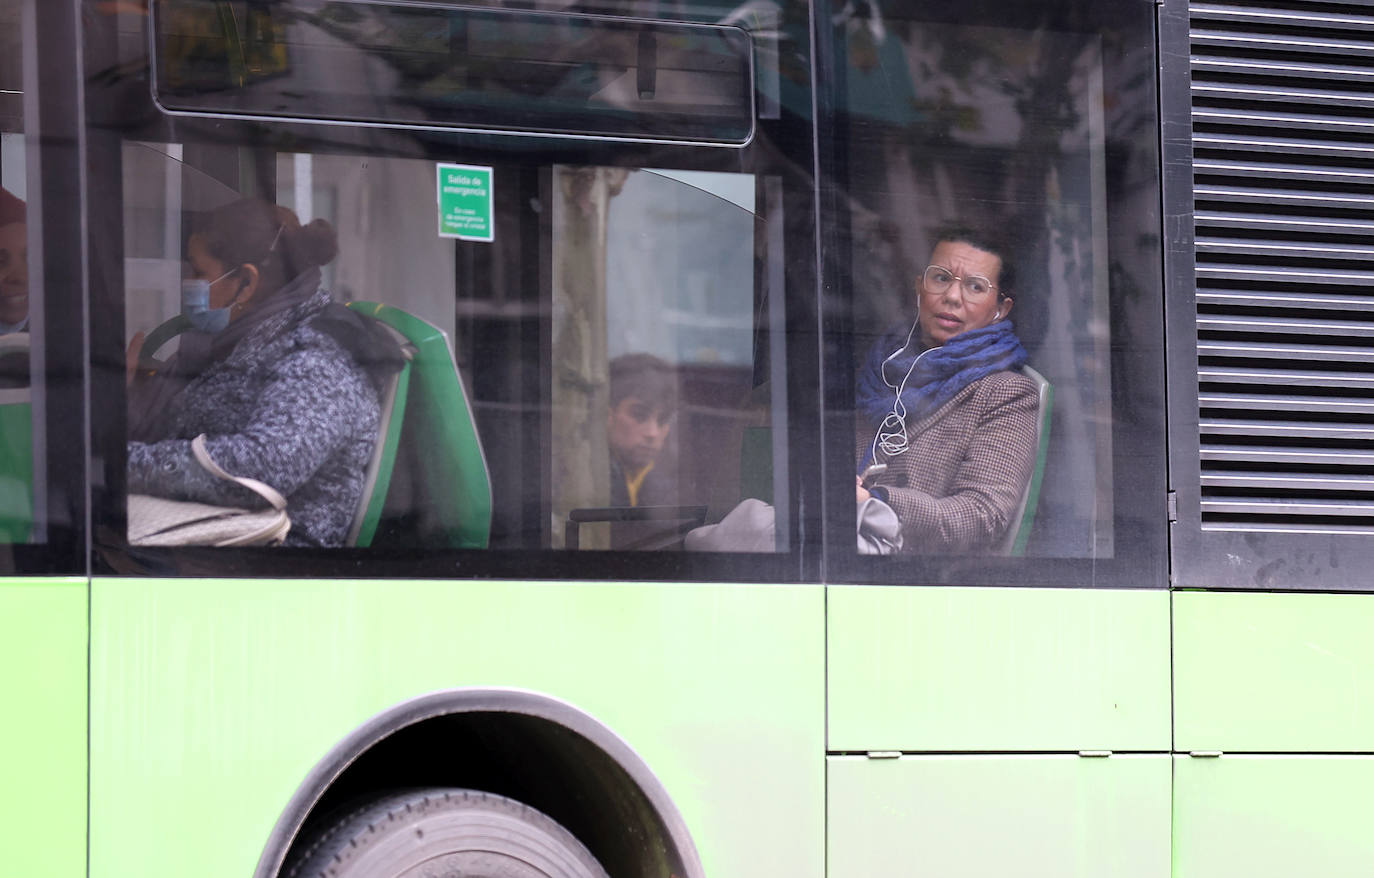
x: 643, y: 402
x: 14, y: 264
x: 283, y: 382
x: 943, y: 404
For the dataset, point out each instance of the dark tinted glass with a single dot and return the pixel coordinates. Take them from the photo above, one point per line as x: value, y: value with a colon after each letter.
x: 466, y: 68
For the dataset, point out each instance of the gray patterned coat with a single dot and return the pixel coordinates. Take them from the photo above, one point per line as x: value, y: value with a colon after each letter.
x: 955, y: 489
x: 290, y: 407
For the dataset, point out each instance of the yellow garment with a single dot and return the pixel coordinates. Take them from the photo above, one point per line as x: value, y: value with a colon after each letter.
x: 633, y: 481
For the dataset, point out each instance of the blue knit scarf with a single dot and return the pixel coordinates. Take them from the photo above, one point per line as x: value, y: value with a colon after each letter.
x: 941, y: 373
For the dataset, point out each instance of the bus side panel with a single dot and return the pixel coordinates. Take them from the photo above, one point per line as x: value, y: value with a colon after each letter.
x: 1278, y: 684
x: 998, y: 669
x: 1266, y: 672
x: 43, y: 736
x: 1267, y: 816
x: 1062, y: 815
x: 214, y: 698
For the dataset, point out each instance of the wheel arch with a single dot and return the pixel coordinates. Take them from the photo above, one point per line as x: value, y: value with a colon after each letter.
x: 525, y: 745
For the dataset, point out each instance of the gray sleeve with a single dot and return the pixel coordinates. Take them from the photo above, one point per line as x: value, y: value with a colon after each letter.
x: 314, y: 403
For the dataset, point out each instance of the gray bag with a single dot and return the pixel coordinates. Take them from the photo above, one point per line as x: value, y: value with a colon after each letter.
x: 880, y: 532
x: 747, y: 528
x: 156, y: 521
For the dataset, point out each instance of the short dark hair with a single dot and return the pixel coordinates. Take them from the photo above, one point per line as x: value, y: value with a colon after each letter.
x: 646, y: 377
x: 1000, y: 245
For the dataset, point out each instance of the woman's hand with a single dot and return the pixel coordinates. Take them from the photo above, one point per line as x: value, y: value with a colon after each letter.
x: 860, y: 492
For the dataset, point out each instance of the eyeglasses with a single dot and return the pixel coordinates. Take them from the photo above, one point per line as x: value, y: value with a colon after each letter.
x: 938, y: 279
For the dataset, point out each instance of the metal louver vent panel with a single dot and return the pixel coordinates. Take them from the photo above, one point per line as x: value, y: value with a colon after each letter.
x: 1283, y: 191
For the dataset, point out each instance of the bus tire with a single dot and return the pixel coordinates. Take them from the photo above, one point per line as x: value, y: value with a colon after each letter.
x: 445, y: 832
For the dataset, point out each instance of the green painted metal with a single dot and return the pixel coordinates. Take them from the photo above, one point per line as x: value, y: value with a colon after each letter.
x: 212, y: 699
x: 1273, y: 672
x: 43, y: 736
x: 1273, y: 816
x: 997, y: 669
x: 439, y: 424
x: 1053, y: 816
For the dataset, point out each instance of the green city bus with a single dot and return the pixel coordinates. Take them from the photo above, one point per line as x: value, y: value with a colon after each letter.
x: 631, y: 291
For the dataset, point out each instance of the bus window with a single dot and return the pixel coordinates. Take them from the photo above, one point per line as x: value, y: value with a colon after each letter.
x: 1000, y: 256
x: 439, y: 306
x: 591, y: 370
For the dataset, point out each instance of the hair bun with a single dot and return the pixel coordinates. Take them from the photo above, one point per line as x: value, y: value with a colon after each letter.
x: 317, y: 242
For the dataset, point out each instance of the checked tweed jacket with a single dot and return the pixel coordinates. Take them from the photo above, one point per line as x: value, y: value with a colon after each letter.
x: 957, y: 486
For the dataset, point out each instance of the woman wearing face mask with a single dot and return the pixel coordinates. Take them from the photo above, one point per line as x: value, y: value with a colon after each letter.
x: 279, y: 378
x: 941, y: 403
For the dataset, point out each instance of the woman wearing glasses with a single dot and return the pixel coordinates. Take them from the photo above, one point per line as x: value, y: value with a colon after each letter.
x: 942, y: 405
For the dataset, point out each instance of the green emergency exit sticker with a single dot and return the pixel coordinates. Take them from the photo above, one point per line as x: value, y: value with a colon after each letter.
x: 465, y: 203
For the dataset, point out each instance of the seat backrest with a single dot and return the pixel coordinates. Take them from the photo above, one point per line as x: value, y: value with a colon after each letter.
x: 16, y: 440
x: 395, y: 391
x: 1019, y: 528
x: 439, y: 436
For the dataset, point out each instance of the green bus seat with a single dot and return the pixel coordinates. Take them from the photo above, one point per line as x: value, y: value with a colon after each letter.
x: 452, y: 506
x: 1019, y: 528
x: 377, y: 482
x: 16, y: 440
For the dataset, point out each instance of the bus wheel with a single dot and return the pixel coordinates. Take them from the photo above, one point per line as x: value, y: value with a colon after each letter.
x: 445, y: 832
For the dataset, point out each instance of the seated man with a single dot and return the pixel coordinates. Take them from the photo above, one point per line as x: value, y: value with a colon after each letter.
x: 642, y: 406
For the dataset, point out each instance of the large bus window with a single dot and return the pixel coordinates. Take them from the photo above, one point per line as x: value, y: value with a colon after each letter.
x: 998, y: 243
x: 581, y: 375
x: 579, y: 330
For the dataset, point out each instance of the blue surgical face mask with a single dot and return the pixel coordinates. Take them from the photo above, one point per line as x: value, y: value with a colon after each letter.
x: 195, y: 304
